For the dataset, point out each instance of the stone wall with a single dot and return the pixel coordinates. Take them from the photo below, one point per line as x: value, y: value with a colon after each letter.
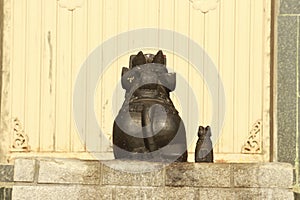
x: 288, y: 79
x: 288, y: 84
x: 6, y: 181
x: 74, y: 179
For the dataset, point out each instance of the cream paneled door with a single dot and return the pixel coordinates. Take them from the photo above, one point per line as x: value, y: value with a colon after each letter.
x: 47, y: 42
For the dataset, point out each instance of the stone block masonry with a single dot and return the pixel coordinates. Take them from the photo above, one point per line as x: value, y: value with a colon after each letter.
x: 6, y: 181
x: 46, y: 178
x: 287, y: 88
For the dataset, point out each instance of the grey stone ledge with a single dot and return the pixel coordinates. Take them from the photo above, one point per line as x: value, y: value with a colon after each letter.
x: 62, y: 192
x: 132, y: 173
x: 6, y: 173
x: 65, y: 192
x: 264, y: 193
x: 217, y: 193
x: 266, y: 175
x: 290, y: 7
x: 183, y: 193
x: 245, y: 193
x: 129, y: 193
x: 159, y: 175
x: 24, y: 170
x: 69, y: 171
x: 198, y: 175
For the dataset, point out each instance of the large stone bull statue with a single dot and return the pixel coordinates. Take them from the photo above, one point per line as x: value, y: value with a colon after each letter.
x: 148, y: 126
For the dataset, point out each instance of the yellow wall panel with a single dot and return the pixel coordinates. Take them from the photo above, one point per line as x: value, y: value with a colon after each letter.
x: 63, y: 80
x: 241, y: 72
x: 18, y: 71
x: 48, y: 75
x: 33, y: 72
x: 51, y: 40
x: 79, y: 52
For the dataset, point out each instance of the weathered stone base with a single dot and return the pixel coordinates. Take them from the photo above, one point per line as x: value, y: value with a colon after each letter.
x: 297, y: 196
x: 6, y: 181
x: 121, y: 192
x: 74, y: 179
x: 5, y: 193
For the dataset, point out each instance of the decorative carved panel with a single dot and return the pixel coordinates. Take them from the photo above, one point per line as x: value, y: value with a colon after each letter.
x: 20, y: 138
x: 205, y: 5
x: 70, y: 4
x: 253, y: 143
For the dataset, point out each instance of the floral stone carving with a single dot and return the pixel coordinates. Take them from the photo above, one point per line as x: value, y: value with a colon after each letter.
x: 20, y: 138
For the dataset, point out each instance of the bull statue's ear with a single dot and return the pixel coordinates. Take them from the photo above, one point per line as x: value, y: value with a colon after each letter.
x: 139, y: 59
x: 201, y: 131
x: 208, y: 131
x: 159, y: 58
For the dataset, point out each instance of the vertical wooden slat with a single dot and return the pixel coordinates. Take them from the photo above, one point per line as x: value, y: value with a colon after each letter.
x: 182, y: 26
x: 241, y: 76
x: 167, y: 21
x: 181, y: 66
x: 256, y: 61
x: 32, y: 91
x: 212, y: 44
x: 227, y: 41
x: 48, y: 76
x: 117, y: 92
x: 196, y: 79
x: 18, y: 69
x: 110, y: 26
x: 79, y: 53
x: 123, y: 26
x: 63, y: 81
x: 221, y: 104
x: 151, y: 13
x: 123, y: 60
x: 94, y: 37
x: 94, y: 24
x: 136, y: 14
x: 102, y: 86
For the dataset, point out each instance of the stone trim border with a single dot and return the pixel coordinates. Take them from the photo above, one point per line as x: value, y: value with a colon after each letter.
x: 48, y: 178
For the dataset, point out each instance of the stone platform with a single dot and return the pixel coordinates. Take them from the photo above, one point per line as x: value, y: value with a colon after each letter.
x: 6, y: 181
x: 69, y: 179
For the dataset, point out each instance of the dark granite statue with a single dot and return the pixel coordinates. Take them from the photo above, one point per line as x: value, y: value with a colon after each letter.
x: 204, y: 149
x: 148, y: 126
